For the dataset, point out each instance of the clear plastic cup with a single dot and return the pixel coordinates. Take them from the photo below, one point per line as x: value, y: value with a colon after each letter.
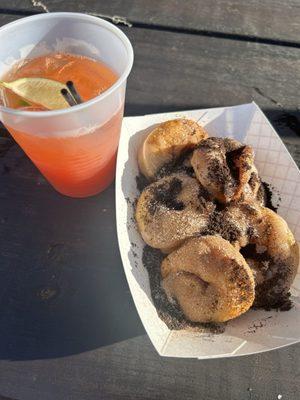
x: 82, y: 140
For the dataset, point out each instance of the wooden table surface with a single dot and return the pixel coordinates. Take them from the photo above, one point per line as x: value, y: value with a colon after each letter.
x: 68, y: 325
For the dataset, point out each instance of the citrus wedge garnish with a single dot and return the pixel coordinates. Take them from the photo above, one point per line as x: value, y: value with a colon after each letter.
x: 23, y: 103
x: 40, y: 91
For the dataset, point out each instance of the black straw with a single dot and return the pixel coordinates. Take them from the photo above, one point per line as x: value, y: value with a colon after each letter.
x: 67, y: 96
x: 74, y: 92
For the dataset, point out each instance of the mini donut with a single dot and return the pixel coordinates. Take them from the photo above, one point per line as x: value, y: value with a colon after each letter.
x: 209, y: 279
x: 273, y: 255
x: 166, y: 143
x: 225, y: 167
x: 171, y: 210
x: 267, y: 244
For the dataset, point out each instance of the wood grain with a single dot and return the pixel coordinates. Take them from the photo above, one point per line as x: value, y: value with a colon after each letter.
x: 186, y: 72
x: 174, y: 70
x: 177, y: 72
x: 272, y: 19
x: 131, y: 370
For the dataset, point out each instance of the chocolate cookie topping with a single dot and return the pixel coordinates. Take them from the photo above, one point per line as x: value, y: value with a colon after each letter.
x: 267, y: 191
x: 180, y: 165
x: 141, y: 182
x: 166, y: 194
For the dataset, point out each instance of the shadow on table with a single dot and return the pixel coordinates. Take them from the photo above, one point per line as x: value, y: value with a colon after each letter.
x: 62, y: 286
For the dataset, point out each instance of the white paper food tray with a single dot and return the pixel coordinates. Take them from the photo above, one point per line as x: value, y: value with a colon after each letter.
x: 255, y: 331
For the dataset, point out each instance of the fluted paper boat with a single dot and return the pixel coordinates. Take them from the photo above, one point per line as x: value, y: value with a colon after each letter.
x: 255, y: 331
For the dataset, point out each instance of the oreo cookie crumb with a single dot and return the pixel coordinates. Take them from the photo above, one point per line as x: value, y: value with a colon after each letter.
x: 131, y: 202
x: 231, y: 157
x: 269, y: 294
x: 217, y: 225
x: 249, y: 251
x: 283, y: 304
x: 254, y: 179
x: 177, y: 166
x: 169, y: 169
x: 218, y: 173
x: 134, y: 253
x: 256, y: 325
x: 268, y: 196
x: 166, y: 194
x: 141, y: 182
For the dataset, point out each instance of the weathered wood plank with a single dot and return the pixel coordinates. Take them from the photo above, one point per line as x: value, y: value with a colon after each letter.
x: 131, y: 370
x: 210, y: 71
x: 271, y: 19
x: 176, y: 72
x: 199, y: 72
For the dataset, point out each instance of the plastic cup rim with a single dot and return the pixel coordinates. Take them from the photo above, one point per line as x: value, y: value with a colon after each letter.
x: 86, y: 104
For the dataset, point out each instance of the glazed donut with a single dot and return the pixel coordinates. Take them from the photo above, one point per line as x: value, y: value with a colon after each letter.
x: 209, y: 279
x: 225, y: 167
x: 171, y: 210
x: 273, y: 255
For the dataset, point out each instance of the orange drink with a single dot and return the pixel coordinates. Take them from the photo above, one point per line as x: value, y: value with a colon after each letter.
x: 73, y: 145
x: 80, y: 165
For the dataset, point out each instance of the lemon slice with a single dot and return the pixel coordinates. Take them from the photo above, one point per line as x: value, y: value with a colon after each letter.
x: 40, y: 91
